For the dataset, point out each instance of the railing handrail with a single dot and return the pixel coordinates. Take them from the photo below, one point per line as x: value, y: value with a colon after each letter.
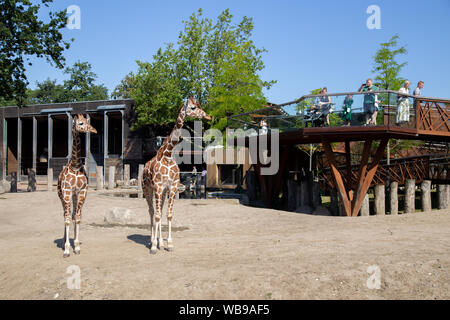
x: 278, y: 106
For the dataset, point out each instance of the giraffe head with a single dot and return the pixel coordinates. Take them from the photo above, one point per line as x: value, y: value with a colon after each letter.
x: 194, y: 110
x: 81, y: 124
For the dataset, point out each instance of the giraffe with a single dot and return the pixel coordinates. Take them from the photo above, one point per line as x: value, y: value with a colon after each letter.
x: 73, y: 184
x: 162, y: 176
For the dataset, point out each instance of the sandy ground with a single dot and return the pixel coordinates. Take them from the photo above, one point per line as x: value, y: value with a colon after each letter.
x: 223, y: 250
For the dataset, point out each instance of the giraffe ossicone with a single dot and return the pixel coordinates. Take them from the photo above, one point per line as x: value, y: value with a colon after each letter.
x: 73, y: 184
x: 161, y: 176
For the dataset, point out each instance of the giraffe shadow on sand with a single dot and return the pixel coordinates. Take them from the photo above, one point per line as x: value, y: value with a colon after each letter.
x: 140, y: 239
x: 60, y: 243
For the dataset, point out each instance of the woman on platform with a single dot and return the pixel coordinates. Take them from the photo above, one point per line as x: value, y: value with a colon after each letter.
x: 402, y: 115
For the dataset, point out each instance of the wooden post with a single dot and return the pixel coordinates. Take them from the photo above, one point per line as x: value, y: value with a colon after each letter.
x: 140, y: 174
x: 393, y: 195
x: 99, y: 177
x: 380, y: 200
x: 426, y: 195
x: 126, y: 176
x: 410, y: 196
x: 111, y: 177
x: 13, y: 182
x: 443, y: 197
x: 49, y: 179
x: 31, y: 180
x: 365, y: 208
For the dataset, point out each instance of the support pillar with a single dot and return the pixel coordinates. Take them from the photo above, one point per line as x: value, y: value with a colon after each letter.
x: 87, y: 140
x: 50, y: 139
x: 410, y: 196
x: 19, y: 149
x: 426, y: 195
x: 365, y: 207
x: 5, y: 150
x: 111, y: 177
x: 126, y: 176
x: 393, y: 197
x: 69, y: 135
x: 34, y: 144
x: 380, y: 200
x: 99, y: 177
x: 105, y: 138
x: 443, y: 196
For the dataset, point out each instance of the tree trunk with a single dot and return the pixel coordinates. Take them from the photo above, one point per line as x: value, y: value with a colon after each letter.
x: 365, y: 208
x: 426, y: 195
x: 380, y: 200
x: 443, y: 197
x: 393, y: 195
x: 410, y: 196
x: 126, y: 176
x: 111, y: 176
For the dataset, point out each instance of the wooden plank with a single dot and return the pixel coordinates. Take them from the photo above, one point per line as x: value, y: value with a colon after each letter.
x: 337, y: 177
x: 366, y: 181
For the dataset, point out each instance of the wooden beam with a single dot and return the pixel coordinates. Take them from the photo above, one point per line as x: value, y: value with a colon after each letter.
x: 337, y: 177
x: 348, y: 160
x: 367, y: 180
x: 359, y: 197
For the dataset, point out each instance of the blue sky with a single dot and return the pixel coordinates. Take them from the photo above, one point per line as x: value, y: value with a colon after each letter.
x: 310, y: 44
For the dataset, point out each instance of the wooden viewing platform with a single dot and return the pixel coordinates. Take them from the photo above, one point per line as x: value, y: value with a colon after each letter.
x: 430, y: 121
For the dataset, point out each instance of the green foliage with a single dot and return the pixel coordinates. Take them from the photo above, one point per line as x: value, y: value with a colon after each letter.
x: 217, y: 63
x: 47, y: 92
x: 79, y: 87
x: 122, y: 91
x: 23, y: 35
x: 386, y: 67
x: 307, y: 103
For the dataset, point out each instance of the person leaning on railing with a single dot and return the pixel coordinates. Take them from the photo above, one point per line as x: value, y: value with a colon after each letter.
x: 370, y: 109
x: 324, y: 104
x: 402, y: 115
x: 347, y: 110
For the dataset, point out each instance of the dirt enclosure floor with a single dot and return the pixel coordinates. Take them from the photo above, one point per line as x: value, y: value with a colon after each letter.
x: 223, y: 250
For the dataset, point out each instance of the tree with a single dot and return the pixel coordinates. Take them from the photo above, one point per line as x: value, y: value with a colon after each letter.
x: 217, y: 63
x: 47, y: 92
x: 79, y: 87
x: 122, y: 91
x: 23, y: 35
x: 386, y: 67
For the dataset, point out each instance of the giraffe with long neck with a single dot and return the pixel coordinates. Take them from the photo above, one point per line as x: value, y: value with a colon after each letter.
x: 162, y: 176
x: 73, y: 184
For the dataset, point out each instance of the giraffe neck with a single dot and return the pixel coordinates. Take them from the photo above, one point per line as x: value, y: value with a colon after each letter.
x: 75, y: 158
x: 174, y: 138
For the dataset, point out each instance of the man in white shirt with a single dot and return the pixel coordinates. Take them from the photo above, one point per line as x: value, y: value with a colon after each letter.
x: 419, y: 87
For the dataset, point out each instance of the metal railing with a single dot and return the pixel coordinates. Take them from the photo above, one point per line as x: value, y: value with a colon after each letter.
x: 375, y: 108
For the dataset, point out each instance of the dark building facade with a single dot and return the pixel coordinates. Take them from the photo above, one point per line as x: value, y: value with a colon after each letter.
x: 39, y: 137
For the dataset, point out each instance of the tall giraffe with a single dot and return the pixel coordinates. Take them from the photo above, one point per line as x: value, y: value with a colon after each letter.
x: 162, y: 175
x: 73, y: 184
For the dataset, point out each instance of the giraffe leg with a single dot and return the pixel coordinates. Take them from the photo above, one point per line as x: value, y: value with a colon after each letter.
x: 158, y: 202
x: 67, y: 219
x: 148, y: 192
x: 172, y: 194
x: 77, y: 220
